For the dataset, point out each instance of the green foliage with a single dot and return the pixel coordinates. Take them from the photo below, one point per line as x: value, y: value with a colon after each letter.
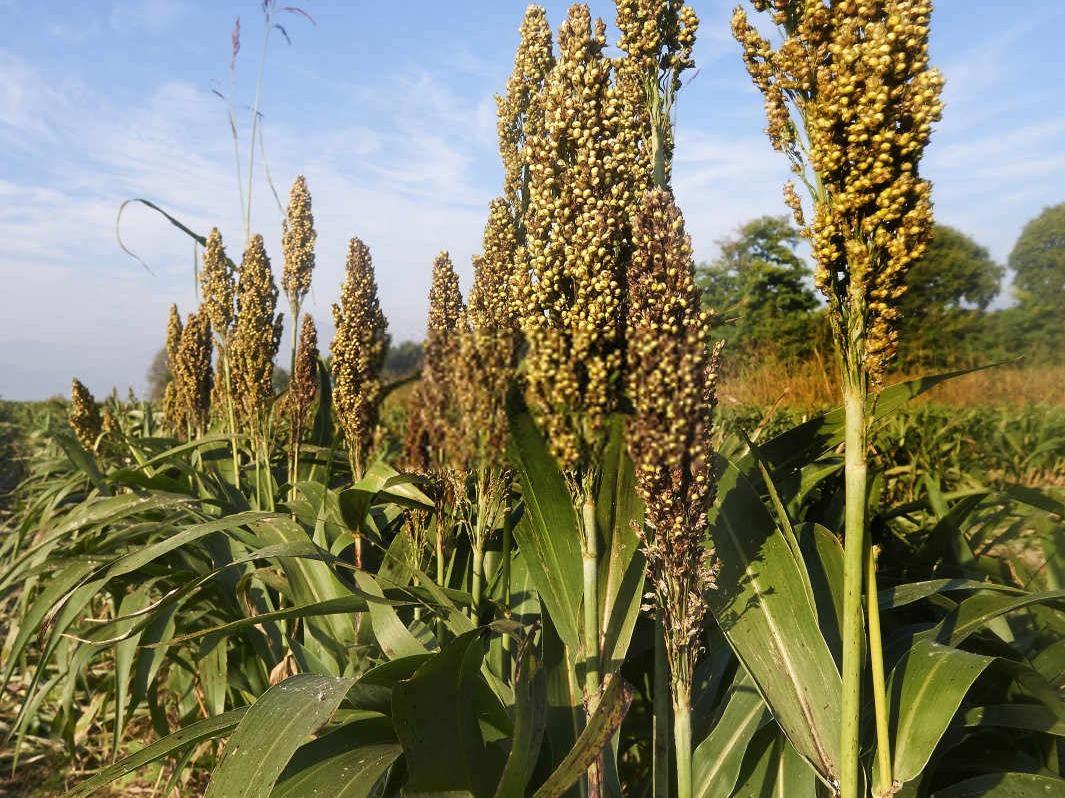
x: 948, y: 290
x: 762, y: 283
x: 1038, y: 259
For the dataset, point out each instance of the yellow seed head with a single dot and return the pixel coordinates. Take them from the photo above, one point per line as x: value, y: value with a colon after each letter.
x: 256, y: 333
x: 303, y: 387
x: 359, y: 348
x: 216, y: 285
x: 84, y: 415
x: 297, y: 243
x: 854, y: 77
x: 193, y: 375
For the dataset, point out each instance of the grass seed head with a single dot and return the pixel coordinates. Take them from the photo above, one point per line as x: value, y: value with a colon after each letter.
x: 84, y: 415
x: 520, y: 112
x: 256, y: 333
x: 671, y: 373
x: 581, y: 192
x: 359, y: 348
x: 865, y: 100
x: 303, y: 387
x: 297, y: 243
x: 216, y: 285
x: 193, y: 374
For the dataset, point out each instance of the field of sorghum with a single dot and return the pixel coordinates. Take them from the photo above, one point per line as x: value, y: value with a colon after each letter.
x: 553, y: 562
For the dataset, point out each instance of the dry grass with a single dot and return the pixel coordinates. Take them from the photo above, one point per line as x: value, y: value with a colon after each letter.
x: 813, y: 385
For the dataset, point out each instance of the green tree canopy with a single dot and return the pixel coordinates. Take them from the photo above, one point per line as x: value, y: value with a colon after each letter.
x: 1038, y: 259
x: 761, y: 281
x: 948, y: 290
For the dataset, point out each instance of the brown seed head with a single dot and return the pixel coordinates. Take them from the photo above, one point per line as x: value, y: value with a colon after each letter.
x: 173, y: 337
x: 216, y: 285
x: 84, y: 415
x: 256, y: 333
x: 303, y: 387
x: 193, y: 375
x: 858, y: 77
x: 671, y: 373
x: 297, y: 243
x: 359, y: 348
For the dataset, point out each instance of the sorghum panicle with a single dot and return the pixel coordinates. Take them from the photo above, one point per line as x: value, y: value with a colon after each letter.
x: 173, y: 407
x: 297, y: 243
x: 671, y: 375
x: 359, y: 348
x: 193, y: 374
x: 857, y: 75
x: 256, y: 333
x: 487, y: 352
x: 520, y: 112
x: 658, y: 37
x: 84, y: 415
x: 216, y: 285
x: 303, y: 387
x: 581, y: 194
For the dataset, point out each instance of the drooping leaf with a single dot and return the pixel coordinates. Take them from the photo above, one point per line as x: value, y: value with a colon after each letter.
x: 717, y: 759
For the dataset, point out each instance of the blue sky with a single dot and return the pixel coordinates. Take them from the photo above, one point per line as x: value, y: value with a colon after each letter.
x: 387, y: 108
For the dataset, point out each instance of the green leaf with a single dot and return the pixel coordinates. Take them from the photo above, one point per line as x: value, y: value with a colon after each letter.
x: 764, y: 609
x: 599, y: 730
x: 201, y: 730
x: 436, y: 721
x: 548, y: 531
x: 530, y: 721
x: 621, y: 570
x: 274, y: 727
x: 976, y: 612
x: 901, y: 595
x: 395, y: 639
x: 925, y: 690
x: 716, y: 761
x: 348, y: 762
x: 775, y: 770
x: 1029, y: 717
x: 1005, y: 785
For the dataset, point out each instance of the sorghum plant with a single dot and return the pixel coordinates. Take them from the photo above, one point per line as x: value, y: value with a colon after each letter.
x: 851, y: 100
x: 218, y: 291
x: 485, y: 362
x: 359, y: 347
x: 84, y: 415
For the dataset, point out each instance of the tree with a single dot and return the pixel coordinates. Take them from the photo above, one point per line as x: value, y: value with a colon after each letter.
x: 761, y: 281
x: 1038, y: 259
x: 949, y: 288
x: 403, y: 359
x: 158, y: 375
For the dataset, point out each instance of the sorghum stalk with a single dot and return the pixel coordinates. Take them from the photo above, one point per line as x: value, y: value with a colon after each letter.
x: 671, y: 372
x: 851, y: 100
x: 84, y: 415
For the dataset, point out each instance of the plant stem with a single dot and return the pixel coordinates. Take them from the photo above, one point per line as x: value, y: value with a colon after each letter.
x: 876, y: 660
x: 590, y: 559
x: 476, y: 580
x: 506, y: 596
x: 682, y: 738
x: 661, y: 730
x: 232, y: 417
x: 855, y: 475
